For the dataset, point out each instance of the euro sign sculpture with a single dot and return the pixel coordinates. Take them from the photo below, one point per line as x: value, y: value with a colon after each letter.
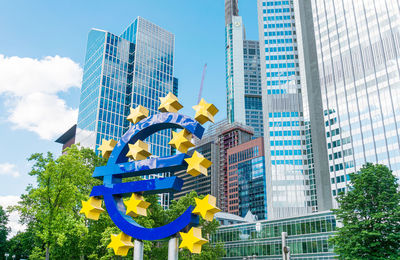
x: 131, y: 146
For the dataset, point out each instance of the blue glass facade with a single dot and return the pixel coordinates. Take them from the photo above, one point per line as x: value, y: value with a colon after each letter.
x: 246, y: 179
x: 122, y: 72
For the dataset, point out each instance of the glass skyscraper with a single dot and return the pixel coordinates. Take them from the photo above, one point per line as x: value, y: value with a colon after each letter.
x: 243, y: 78
x: 296, y: 157
x: 135, y: 68
x: 358, y: 48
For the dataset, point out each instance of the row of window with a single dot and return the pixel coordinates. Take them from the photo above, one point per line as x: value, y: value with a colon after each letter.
x: 281, y: 65
x: 282, y: 57
x: 277, y: 10
x: 281, y: 74
x: 285, y: 152
x: 279, y: 25
x: 287, y: 162
x: 282, y: 82
x: 340, y: 179
x: 279, y: 33
x: 336, y: 192
x: 278, y: 18
x: 285, y: 133
x: 278, y: 41
x: 336, y: 143
x: 285, y: 114
x: 333, y: 132
x: 341, y: 166
x: 272, y: 3
x: 284, y: 123
x: 285, y: 142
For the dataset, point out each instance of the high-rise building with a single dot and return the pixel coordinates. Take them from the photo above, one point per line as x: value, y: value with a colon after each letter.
x: 120, y: 72
x: 246, y: 179
x: 358, y: 48
x: 296, y: 156
x: 243, y: 78
x: 203, y: 185
x: 135, y: 68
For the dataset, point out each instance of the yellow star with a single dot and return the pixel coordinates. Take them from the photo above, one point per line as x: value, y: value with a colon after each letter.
x: 206, y: 207
x: 137, y: 114
x: 120, y: 244
x: 106, y: 147
x: 197, y: 164
x: 181, y: 140
x: 169, y: 103
x: 136, y: 206
x: 138, y: 151
x: 92, y: 208
x: 205, y: 112
x: 192, y: 240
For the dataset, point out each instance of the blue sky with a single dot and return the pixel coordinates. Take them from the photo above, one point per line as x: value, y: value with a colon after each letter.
x: 39, y: 96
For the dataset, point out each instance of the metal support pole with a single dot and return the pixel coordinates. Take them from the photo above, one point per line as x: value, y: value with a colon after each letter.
x: 173, y: 248
x: 138, y: 250
x: 285, y: 249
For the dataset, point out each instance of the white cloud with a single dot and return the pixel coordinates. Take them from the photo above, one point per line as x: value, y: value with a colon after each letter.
x: 45, y: 114
x: 30, y: 87
x: 9, y: 169
x: 13, y: 218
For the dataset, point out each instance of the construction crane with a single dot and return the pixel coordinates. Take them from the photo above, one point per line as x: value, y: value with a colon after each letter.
x: 202, y: 82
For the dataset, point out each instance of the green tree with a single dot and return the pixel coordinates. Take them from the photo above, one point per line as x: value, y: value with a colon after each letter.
x: 370, y: 214
x: 4, y: 230
x: 22, y: 244
x: 51, y: 207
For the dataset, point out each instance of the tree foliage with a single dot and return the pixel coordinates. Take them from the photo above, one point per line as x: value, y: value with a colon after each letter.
x: 4, y: 230
x: 370, y: 214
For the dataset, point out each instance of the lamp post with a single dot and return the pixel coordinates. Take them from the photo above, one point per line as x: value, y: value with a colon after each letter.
x: 6, y: 255
x: 285, y: 249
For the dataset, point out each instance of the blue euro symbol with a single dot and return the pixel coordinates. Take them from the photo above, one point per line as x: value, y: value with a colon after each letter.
x: 118, y: 167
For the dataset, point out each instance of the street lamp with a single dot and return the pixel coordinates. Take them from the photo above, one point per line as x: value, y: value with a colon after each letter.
x: 6, y: 255
x: 13, y: 257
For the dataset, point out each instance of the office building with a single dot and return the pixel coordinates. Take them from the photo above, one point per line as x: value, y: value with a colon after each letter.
x: 68, y: 138
x: 358, y: 49
x: 228, y: 136
x: 243, y: 78
x: 201, y: 184
x: 246, y: 179
x: 308, y: 238
x: 296, y: 157
x: 135, y: 68
x: 120, y: 72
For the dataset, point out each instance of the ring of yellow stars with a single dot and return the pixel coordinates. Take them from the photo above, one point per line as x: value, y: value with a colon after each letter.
x: 136, y: 206
x: 192, y: 240
x: 107, y: 147
x: 206, y: 207
x: 138, y: 151
x: 205, y: 112
x: 169, y: 103
x: 197, y: 164
x: 181, y: 141
x: 137, y: 114
x: 92, y: 208
x: 120, y: 244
